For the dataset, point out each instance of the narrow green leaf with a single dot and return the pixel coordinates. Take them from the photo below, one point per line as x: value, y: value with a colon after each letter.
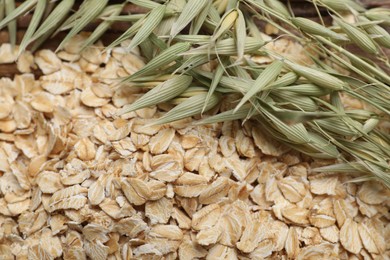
x: 51, y: 22
x: 164, y: 58
x: 147, y: 49
x: 161, y: 45
x: 337, y: 126
x: 266, y: 77
x: 367, y: 150
x: 214, y: 83
x: 146, y: 3
x: 166, y: 24
x: 128, y: 33
x: 36, y: 18
x: 295, y: 133
x: 226, y: 22
x: 72, y: 19
x: 192, y: 62
x: 229, y: 115
x: 293, y: 117
x: 321, y: 144
x: 152, y: 20
x: 113, y: 10
x: 190, y: 10
x: 2, y: 9
x: 278, y: 6
x: 237, y: 84
x: 234, y: 68
x: 161, y: 93
x: 240, y: 28
x: 253, y: 29
x: 317, y: 77
x: 336, y: 101
x: 124, y: 18
x: 199, y: 20
x: 305, y: 89
x: 226, y: 47
x: 358, y: 63
x: 344, y: 5
x: 190, y: 107
x: 341, y: 167
x: 15, y: 13
x: 94, y: 7
x: 358, y: 36
x: 283, y: 81
x: 384, y: 36
x: 12, y: 26
x: 311, y: 27
x: 213, y: 16
x: 379, y: 14
x: 294, y: 101
x: 193, y: 38
x: 189, y: 92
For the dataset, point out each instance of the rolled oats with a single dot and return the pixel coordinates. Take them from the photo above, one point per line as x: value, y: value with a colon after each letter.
x: 96, y: 193
x: 215, y: 192
x: 62, y: 81
x: 193, y: 158
x: 5, y: 109
x: 265, y: 144
x: 161, y: 141
x: 292, y: 189
x: 182, y: 219
x: 373, y: 193
x: 159, y: 211
x: 349, y: 236
x: 78, y: 181
x: 237, y: 166
x: 47, y: 61
x: 165, y: 167
x: 296, y: 215
x: 190, y: 185
x: 292, y: 243
x: 90, y: 99
x: 244, y: 144
x: 190, y: 141
x: 8, y: 53
x: 189, y: 250
x: 49, y: 182
x: 132, y: 63
x: 207, y: 217
x: 221, y: 252
x: 323, y: 185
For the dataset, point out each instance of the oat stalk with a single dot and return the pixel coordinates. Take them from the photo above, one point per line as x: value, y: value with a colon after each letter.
x: 298, y: 104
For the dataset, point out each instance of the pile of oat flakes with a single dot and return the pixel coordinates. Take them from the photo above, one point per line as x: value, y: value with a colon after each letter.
x: 76, y: 181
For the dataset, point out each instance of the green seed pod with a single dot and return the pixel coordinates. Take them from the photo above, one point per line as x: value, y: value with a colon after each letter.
x: 358, y: 36
x: 343, y: 5
x: 311, y: 27
x: 316, y: 76
x: 379, y: 14
x: 285, y: 80
x: 278, y: 7
x: 384, y: 36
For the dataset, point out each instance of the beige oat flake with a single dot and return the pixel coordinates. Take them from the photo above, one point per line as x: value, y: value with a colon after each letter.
x: 78, y: 181
x: 349, y: 236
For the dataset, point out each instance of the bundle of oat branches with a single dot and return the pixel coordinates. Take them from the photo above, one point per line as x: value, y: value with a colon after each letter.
x: 200, y: 51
